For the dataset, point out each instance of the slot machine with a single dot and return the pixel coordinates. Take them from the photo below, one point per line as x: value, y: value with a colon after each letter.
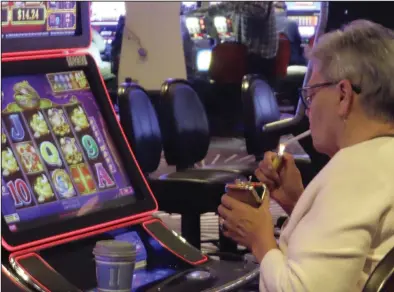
x: 69, y: 177
x: 202, y: 42
x: 306, y: 14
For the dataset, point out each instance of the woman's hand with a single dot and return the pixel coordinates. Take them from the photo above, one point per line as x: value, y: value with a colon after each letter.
x: 285, y: 184
x: 248, y: 226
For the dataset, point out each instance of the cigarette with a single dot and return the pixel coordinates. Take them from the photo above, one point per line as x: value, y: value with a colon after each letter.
x: 296, y: 138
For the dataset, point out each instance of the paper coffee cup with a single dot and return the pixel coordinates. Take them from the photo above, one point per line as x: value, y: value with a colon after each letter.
x: 115, y: 262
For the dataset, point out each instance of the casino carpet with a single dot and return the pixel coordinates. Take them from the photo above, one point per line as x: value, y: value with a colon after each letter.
x: 221, y: 150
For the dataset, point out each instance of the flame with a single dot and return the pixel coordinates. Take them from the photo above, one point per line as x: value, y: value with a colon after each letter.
x: 282, y: 148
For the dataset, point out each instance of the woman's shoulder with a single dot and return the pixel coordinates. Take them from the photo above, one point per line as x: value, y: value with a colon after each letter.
x: 359, y: 178
x: 373, y: 159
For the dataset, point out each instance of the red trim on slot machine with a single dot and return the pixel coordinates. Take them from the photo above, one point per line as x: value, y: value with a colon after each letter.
x: 75, y: 237
x: 12, y: 279
x: 34, y: 280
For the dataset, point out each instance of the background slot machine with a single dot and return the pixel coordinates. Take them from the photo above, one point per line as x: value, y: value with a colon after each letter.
x: 67, y: 180
x: 104, y: 18
x: 306, y: 14
x: 222, y: 31
x: 202, y: 42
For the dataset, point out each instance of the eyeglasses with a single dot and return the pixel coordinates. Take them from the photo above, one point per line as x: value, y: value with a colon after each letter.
x: 308, y: 92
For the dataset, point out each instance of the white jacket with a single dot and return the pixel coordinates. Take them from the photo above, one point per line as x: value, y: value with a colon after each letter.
x: 341, y: 227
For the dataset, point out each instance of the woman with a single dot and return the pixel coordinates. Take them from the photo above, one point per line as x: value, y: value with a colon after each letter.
x: 342, y: 224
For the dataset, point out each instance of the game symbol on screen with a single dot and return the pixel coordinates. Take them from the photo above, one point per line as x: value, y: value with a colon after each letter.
x: 67, y: 81
x: 38, y: 125
x: 26, y: 96
x: 83, y: 179
x: 71, y: 151
x: 58, y: 122
x: 9, y: 165
x: 31, y: 162
x: 63, y: 184
x: 16, y: 127
x: 42, y: 188
x: 79, y: 119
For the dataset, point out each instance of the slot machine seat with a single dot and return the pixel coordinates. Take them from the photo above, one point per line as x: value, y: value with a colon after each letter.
x: 227, y: 68
x: 260, y: 107
x: 185, y: 130
x: 382, y: 277
x: 228, y: 63
x: 189, y: 192
x: 290, y: 78
x: 116, y: 45
x: 283, y: 55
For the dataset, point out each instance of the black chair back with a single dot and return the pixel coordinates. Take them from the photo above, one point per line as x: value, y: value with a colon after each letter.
x: 116, y: 45
x: 184, y: 124
x: 140, y: 123
x: 259, y: 108
x: 382, y: 278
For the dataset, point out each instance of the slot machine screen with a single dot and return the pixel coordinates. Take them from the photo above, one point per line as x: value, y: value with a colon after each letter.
x: 203, y: 60
x: 56, y: 24
x: 307, y: 31
x: 193, y: 25
x: 220, y: 23
x: 58, y: 159
x: 37, y: 19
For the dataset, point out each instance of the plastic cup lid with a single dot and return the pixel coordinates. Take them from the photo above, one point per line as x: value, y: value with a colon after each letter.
x: 114, y: 248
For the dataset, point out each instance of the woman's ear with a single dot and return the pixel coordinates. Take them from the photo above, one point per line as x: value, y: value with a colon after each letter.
x: 346, y: 98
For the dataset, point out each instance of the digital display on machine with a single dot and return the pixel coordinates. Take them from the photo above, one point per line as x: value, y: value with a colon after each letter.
x: 193, y: 25
x: 26, y: 19
x: 196, y: 27
x: 303, y: 6
x: 57, y: 159
x: 307, y: 31
x: 306, y: 24
x: 203, y: 60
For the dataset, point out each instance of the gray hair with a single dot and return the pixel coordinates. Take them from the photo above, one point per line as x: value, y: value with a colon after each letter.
x: 363, y: 53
